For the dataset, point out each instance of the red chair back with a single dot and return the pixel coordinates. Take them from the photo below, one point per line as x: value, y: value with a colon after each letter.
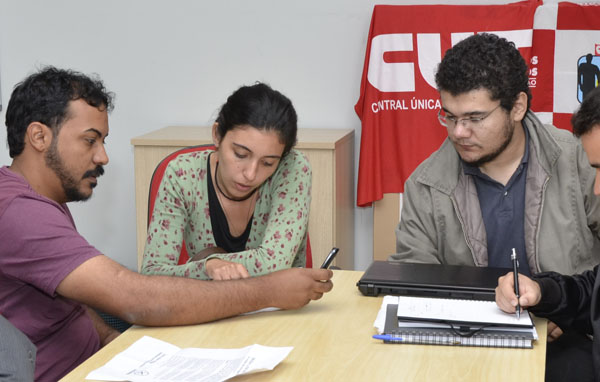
x: 157, y: 176
x: 156, y: 179
x: 308, y: 252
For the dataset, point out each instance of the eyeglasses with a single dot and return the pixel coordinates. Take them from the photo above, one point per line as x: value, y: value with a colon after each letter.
x: 469, y: 122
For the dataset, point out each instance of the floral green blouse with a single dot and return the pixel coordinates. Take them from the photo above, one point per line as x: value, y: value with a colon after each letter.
x: 278, y: 235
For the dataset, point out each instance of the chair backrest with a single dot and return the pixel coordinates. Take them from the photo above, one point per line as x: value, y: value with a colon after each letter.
x: 155, y: 185
x: 308, y: 252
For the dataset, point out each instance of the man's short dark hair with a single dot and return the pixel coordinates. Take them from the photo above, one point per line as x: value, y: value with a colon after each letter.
x: 588, y: 115
x: 485, y: 61
x: 44, y: 97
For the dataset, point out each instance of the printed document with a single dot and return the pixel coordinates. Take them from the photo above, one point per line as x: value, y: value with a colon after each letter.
x: 150, y: 359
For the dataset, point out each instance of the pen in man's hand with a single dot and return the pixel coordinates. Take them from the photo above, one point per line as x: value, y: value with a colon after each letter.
x: 329, y: 258
x: 515, y: 262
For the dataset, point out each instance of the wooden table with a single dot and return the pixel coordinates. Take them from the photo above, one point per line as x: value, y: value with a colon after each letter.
x: 332, y: 342
x: 330, y: 153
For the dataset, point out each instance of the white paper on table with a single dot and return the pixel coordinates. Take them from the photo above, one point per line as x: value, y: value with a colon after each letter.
x: 379, y: 323
x: 150, y: 359
x: 269, y: 309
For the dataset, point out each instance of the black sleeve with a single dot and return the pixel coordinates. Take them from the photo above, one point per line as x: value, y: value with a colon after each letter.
x: 566, y: 300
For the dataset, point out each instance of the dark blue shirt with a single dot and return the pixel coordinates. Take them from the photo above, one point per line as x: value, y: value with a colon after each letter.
x: 503, y: 211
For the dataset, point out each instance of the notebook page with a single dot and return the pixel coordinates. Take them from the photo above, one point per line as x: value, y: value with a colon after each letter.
x: 475, y: 311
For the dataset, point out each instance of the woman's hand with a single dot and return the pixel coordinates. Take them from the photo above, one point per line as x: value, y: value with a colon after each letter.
x: 218, y: 269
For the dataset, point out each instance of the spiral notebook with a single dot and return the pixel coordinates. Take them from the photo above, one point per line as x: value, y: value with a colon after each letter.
x: 437, y: 321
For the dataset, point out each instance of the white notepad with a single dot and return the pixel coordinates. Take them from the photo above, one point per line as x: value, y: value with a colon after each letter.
x: 460, y: 311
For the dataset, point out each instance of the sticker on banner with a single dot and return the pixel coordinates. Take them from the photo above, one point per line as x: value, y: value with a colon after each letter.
x: 588, y: 74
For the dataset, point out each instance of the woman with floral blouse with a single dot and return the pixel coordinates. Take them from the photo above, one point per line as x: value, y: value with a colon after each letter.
x: 242, y: 209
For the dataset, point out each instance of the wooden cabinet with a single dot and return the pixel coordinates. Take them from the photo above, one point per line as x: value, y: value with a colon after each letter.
x: 331, y: 155
x: 386, y: 216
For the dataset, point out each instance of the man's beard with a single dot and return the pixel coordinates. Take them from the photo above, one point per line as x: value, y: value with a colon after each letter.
x: 68, y: 182
x: 508, y: 134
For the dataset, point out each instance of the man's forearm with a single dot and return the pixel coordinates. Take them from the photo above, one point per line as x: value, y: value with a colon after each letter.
x: 163, y: 300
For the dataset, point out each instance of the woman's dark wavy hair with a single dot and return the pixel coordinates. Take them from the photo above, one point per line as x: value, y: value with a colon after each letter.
x: 44, y: 97
x: 485, y: 61
x: 588, y: 115
x: 262, y: 108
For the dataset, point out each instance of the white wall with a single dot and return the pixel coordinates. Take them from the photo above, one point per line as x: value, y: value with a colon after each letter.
x: 175, y: 62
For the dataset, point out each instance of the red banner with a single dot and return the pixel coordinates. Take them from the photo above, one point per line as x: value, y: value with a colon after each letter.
x: 398, y: 103
x: 565, y: 58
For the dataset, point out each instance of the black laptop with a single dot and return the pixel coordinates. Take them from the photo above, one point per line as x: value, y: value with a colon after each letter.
x: 430, y: 280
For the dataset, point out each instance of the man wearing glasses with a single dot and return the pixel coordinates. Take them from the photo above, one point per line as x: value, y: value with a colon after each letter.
x: 502, y: 179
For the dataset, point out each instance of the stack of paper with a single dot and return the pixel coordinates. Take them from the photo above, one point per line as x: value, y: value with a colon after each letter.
x: 454, y: 322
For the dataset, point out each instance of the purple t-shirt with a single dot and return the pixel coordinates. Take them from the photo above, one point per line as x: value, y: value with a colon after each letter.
x: 39, y: 247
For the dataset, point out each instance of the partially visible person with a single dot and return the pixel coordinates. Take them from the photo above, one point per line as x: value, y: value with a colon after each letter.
x: 17, y: 354
x: 242, y: 209
x: 51, y: 277
x: 502, y: 179
x: 572, y: 302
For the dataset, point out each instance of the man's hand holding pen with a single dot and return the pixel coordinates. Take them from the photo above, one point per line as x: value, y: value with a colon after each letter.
x: 506, y: 299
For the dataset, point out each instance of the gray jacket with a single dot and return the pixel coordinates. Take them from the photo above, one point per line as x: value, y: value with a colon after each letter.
x: 441, y: 219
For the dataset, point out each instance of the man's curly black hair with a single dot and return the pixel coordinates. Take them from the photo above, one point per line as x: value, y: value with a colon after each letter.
x: 588, y: 115
x: 485, y: 61
x: 44, y: 97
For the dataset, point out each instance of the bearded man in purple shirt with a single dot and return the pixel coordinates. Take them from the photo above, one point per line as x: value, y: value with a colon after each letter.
x: 57, y: 123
